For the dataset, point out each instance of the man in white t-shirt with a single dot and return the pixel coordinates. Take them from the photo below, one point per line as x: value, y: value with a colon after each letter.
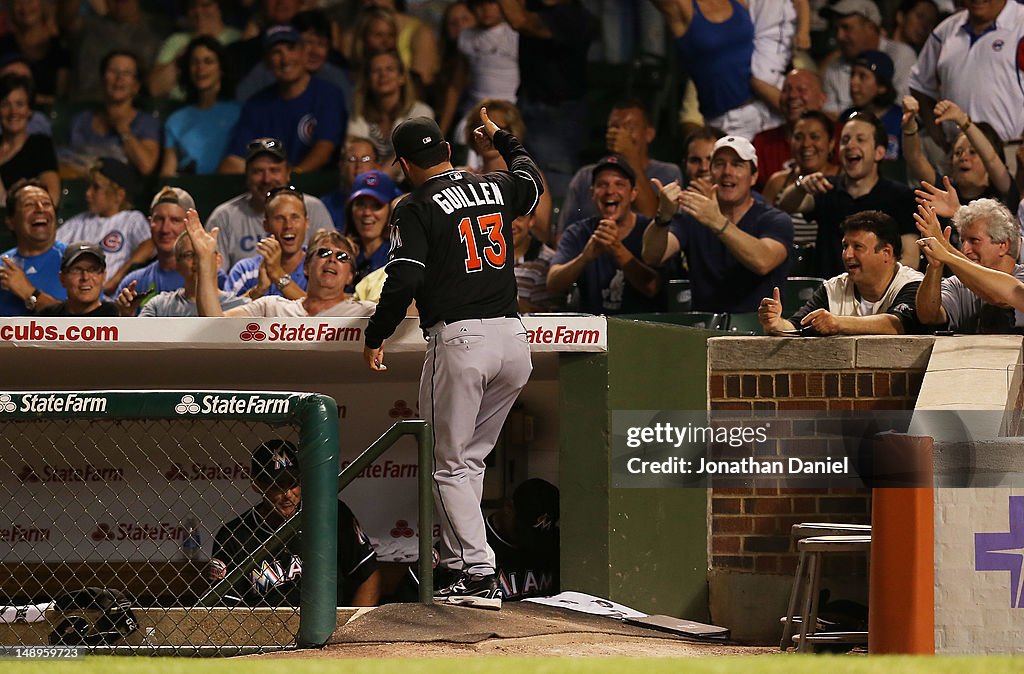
x: 492, y: 49
x: 328, y: 269
x: 875, y: 296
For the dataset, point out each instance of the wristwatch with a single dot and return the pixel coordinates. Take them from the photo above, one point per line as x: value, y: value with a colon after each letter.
x: 283, y: 282
x: 33, y: 299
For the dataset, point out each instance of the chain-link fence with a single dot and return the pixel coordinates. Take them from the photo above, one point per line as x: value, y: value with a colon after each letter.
x: 131, y: 521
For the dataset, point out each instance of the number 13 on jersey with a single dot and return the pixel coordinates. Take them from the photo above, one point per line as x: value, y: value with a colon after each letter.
x: 494, y: 247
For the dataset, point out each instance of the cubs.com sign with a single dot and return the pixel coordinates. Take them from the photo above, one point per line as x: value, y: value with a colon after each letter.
x: 231, y: 404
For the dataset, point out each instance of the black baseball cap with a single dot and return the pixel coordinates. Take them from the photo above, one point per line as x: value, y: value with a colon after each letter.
x: 617, y: 162
x: 414, y: 137
x: 77, y: 250
x: 276, y: 462
x: 537, y: 509
x: 270, y: 146
x: 119, y: 173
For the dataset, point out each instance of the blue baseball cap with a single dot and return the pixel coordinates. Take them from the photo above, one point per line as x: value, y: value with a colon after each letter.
x: 278, y: 34
x: 376, y: 184
x: 877, y: 62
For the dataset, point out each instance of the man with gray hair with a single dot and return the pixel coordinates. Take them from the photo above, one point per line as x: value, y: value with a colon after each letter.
x: 990, y: 237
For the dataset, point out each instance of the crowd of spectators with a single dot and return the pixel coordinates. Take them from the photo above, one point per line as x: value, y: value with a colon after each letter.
x: 810, y: 114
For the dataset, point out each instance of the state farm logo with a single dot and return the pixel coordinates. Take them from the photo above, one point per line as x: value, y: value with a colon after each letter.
x: 71, y: 473
x: 187, y: 405
x: 7, y: 403
x: 402, y: 530
x: 401, y: 410
x: 103, y: 532
x: 138, y: 531
x: 252, y: 333
x: 197, y: 472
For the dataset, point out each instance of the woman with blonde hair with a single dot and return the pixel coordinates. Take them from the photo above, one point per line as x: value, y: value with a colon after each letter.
x: 384, y: 97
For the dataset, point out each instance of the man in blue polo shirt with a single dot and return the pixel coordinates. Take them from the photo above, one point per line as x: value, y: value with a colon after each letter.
x: 306, y: 112
x: 737, y: 247
x: 29, y: 272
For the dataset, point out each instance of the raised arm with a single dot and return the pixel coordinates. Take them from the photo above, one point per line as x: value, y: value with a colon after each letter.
x: 992, y: 285
x: 917, y: 164
x: 998, y: 174
x: 204, y: 245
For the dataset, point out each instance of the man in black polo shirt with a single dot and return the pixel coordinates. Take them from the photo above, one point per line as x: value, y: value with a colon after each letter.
x: 858, y: 187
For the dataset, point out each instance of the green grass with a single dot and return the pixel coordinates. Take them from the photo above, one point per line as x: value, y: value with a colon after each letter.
x: 770, y: 664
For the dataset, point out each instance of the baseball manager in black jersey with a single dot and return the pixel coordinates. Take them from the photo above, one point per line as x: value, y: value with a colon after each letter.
x: 451, y: 250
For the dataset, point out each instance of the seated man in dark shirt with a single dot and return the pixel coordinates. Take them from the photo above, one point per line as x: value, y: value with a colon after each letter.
x: 602, y: 253
x: 858, y: 187
x: 736, y: 246
x: 525, y: 540
x: 275, y: 581
x: 875, y: 296
x: 82, y: 270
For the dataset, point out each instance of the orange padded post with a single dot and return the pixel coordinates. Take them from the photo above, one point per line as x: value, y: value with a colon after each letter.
x: 901, y: 604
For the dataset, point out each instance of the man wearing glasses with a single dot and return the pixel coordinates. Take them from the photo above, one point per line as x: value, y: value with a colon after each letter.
x: 358, y: 157
x: 327, y: 266
x: 82, y: 269
x: 240, y: 219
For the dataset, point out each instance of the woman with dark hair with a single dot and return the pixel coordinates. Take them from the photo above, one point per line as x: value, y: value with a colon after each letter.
x: 871, y: 90
x: 976, y: 170
x: 23, y: 155
x: 35, y: 39
x: 196, y: 136
x: 811, y: 150
x: 384, y: 97
x: 204, y: 17
x: 119, y: 130
x: 915, y: 21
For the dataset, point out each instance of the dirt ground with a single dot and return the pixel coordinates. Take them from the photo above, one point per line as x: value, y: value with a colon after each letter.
x: 519, y: 629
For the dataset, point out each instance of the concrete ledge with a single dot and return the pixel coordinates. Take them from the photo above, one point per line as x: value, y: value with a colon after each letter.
x: 905, y: 352
x: 819, y: 353
x: 970, y: 372
x: 780, y: 353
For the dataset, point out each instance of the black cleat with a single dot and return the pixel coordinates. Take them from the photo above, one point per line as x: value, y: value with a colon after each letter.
x: 474, y: 591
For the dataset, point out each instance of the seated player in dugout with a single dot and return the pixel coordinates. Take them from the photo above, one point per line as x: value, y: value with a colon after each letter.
x: 276, y: 579
x: 524, y: 535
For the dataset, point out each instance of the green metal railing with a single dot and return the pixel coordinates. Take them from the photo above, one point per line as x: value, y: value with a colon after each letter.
x: 425, y: 443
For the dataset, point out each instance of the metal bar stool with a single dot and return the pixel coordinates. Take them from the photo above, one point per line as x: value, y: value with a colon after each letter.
x: 801, y: 532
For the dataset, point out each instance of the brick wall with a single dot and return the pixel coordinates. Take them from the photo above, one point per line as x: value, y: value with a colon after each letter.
x: 750, y: 528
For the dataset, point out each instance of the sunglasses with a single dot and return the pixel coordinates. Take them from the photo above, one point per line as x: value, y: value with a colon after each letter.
x: 264, y: 144
x: 323, y: 253
x: 292, y: 189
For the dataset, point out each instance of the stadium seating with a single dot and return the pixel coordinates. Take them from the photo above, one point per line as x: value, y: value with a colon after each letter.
x: 797, y: 290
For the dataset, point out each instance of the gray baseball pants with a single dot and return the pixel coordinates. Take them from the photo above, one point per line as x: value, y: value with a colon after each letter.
x: 472, y: 374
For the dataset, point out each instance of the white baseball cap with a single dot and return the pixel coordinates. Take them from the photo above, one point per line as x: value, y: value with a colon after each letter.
x: 866, y: 8
x: 740, y: 145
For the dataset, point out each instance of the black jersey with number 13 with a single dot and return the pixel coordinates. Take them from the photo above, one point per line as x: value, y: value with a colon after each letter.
x: 457, y: 228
